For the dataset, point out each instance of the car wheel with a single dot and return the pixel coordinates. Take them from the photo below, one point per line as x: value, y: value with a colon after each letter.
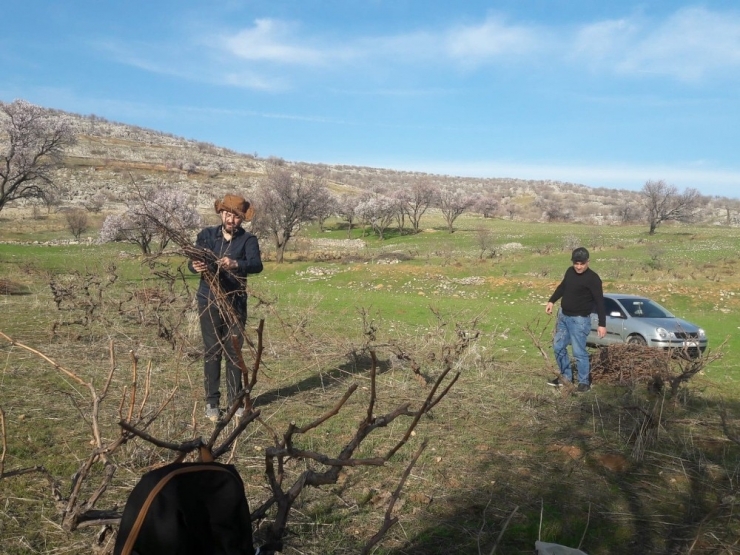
x: 637, y: 340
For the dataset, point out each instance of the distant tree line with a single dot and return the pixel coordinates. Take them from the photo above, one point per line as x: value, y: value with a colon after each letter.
x: 288, y: 196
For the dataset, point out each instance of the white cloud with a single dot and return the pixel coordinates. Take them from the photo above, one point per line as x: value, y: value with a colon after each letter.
x: 404, y: 48
x: 600, y: 43
x: 474, y: 44
x: 188, y: 64
x: 258, y: 114
x: 689, y: 45
x: 274, y: 41
x: 252, y: 80
x: 271, y: 40
x: 273, y: 54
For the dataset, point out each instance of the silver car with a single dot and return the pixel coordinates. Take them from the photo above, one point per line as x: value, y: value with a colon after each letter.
x: 638, y: 320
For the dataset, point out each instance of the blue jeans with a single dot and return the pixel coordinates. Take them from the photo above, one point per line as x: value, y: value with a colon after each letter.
x: 573, y: 331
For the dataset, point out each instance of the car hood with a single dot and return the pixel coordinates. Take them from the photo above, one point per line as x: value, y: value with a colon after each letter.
x: 669, y: 324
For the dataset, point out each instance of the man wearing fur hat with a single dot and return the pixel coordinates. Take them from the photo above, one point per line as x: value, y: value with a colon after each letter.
x: 230, y: 253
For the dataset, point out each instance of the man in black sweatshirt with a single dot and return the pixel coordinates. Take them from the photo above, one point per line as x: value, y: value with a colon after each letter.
x: 582, y: 294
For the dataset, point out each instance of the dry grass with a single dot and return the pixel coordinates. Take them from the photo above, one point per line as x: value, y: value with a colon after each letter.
x: 624, y: 469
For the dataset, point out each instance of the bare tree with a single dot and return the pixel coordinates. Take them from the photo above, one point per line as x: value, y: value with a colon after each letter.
x: 141, y: 222
x: 347, y: 209
x: 284, y: 201
x: 379, y: 211
x: 76, y: 222
x: 453, y: 202
x: 96, y: 203
x: 400, y: 214
x: 33, y: 140
x: 416, y: 200
x: 326, y: 207
x: 730, y: 205
x: 627, y: 211
x: 484, y: 239
x: 554, y: 211
x: 664, y: 202
x: 487, y: 205
x: 510, y: 208
x: 53, y: 198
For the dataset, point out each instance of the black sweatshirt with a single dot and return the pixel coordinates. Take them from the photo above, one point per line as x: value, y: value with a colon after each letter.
x: 581, y: 294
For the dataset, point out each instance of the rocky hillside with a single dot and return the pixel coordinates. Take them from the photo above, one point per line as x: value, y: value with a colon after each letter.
x: 113, y: 158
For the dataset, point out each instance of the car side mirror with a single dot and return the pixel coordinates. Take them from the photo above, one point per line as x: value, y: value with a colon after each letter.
x: 616, y: 314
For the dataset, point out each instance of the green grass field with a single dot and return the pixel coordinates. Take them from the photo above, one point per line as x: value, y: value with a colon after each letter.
x: 619, y: 470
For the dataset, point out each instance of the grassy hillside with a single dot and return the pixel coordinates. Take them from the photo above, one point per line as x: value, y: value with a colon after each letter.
x: 620, y: 470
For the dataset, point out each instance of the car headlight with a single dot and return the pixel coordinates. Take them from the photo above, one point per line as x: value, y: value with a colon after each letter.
x: 701, y: 333
x: 662, y: 333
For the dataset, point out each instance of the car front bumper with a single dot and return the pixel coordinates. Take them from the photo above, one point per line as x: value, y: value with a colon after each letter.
x: 679, y: 344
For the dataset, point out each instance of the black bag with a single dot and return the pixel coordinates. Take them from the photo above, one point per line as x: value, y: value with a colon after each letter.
x: 187, y: 509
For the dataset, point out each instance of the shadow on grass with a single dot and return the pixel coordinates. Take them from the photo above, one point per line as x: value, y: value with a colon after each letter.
x: 598, y: 476
x: 323, y: 380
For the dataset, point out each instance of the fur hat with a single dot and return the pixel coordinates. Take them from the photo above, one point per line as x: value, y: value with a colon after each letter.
x: 236, y: 205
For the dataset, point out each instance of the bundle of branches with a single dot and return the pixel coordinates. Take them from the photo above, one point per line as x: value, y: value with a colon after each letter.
x: 624, y: 363
x: 8, y: 287
x: 629, y: 364
x: 210, y: 275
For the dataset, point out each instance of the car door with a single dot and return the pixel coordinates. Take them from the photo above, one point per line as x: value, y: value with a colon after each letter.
x: 615, y: 319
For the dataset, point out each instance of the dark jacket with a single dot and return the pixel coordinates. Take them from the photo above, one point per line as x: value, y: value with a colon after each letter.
x: 581, y: 294
x: 243, y: 248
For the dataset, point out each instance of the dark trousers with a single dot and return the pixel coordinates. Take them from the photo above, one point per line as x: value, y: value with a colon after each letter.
x: 221, y: 341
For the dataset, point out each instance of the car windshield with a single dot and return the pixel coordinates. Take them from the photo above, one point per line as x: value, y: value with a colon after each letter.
x: 644, y: 308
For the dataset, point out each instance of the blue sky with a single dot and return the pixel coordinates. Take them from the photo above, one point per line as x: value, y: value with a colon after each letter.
x: 587, y: 91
